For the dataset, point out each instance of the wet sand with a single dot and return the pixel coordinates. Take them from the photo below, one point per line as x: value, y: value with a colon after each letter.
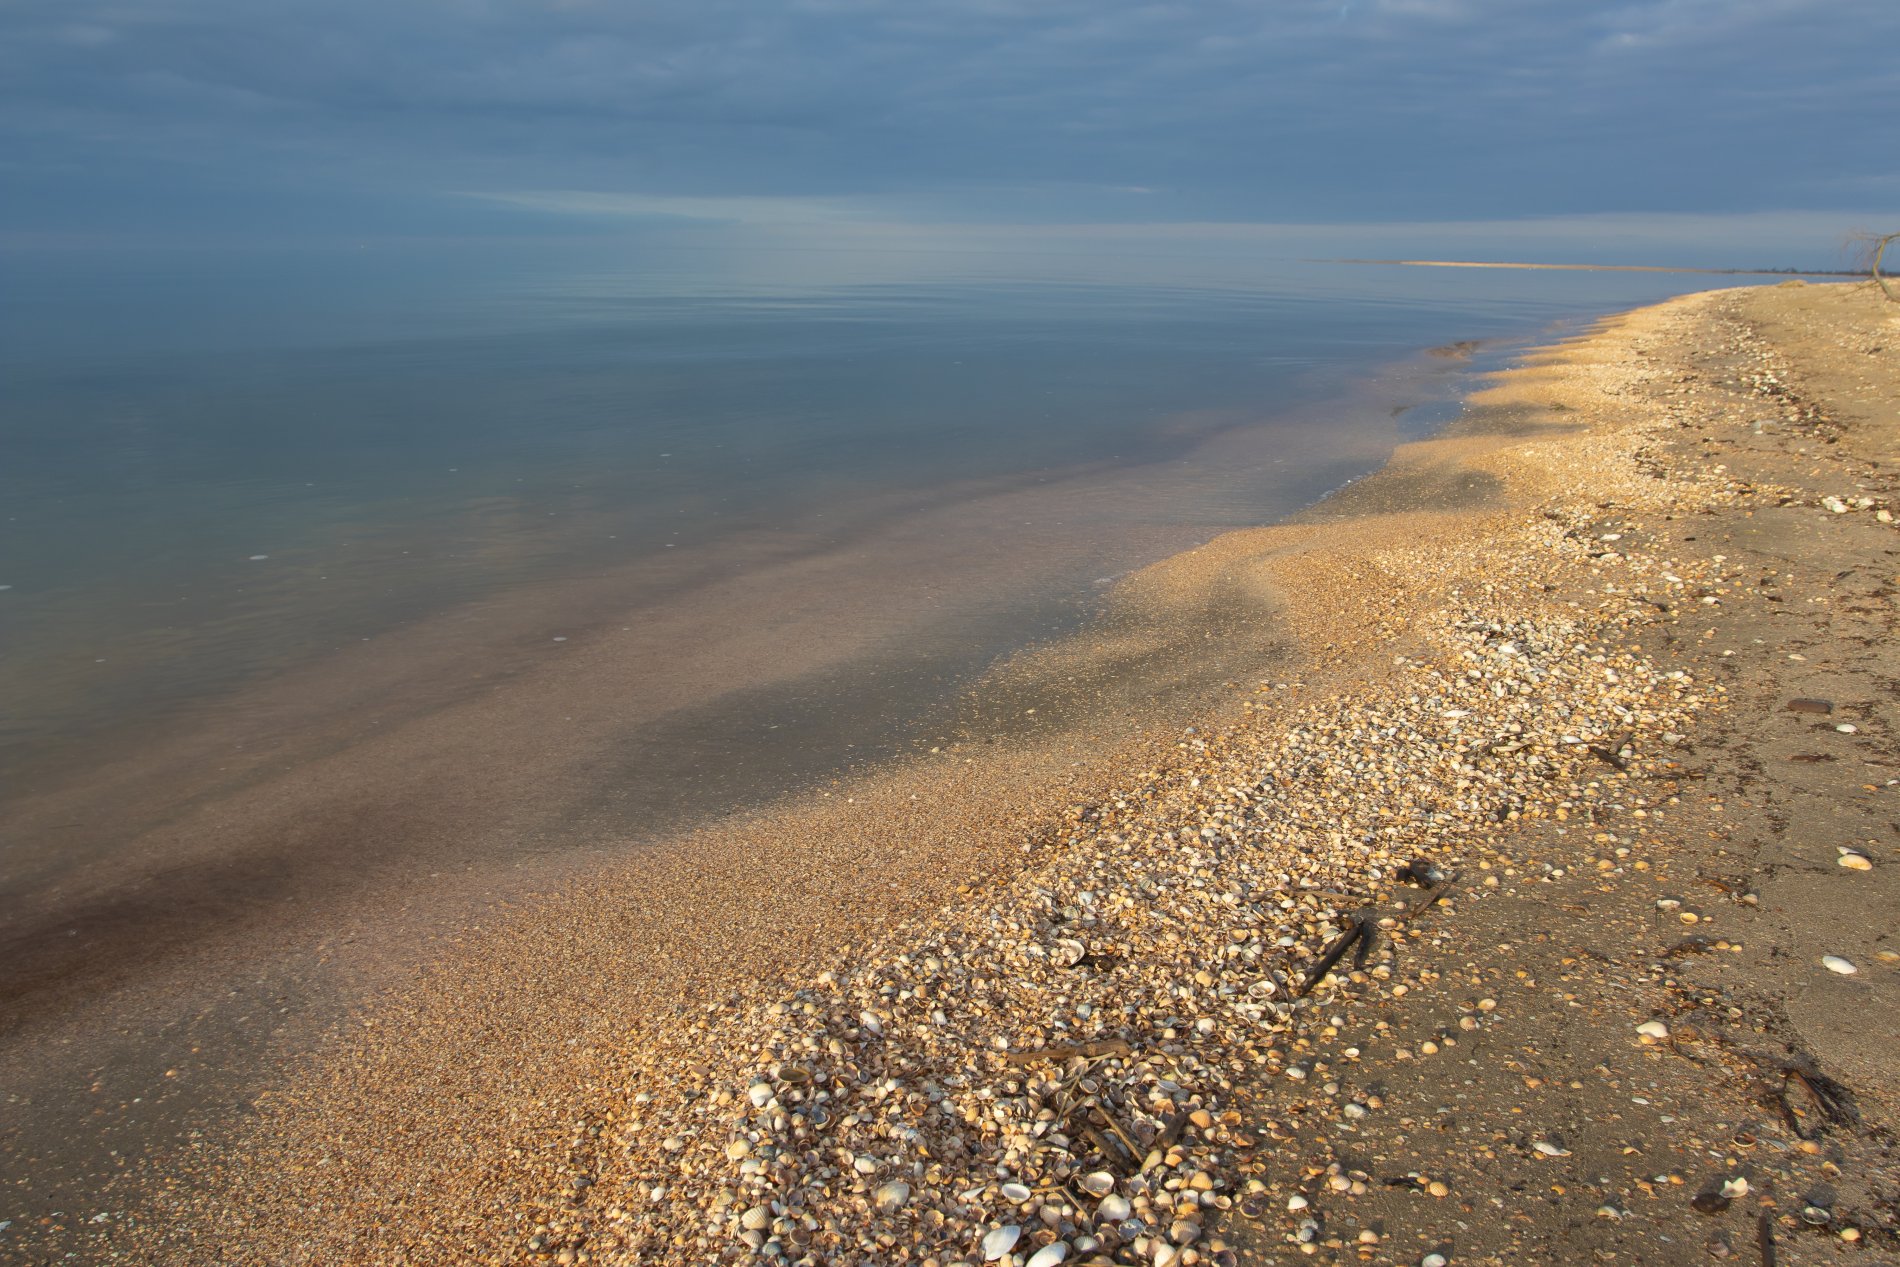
x: 1491, y: 656
x: 194, y: 905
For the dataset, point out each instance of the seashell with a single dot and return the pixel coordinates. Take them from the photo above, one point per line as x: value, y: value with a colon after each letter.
x: 1548, y: 1149
x: 1000, y: 1242
x: 1114, y: 1209
x: 1068, y: 952
x: 871, y: 1024
x: 1098, y: 1183
x: 760, y: 1093
x: 1834, y: 963
x: 794, y: 1075
x: 1815, y: 1216
x: 1654, y: 1030
x: 1854, y: 860
x: 1049, y: 1255
x: 1736, y: 1187
x: 1016, y: 1192
x: 890, y: 1197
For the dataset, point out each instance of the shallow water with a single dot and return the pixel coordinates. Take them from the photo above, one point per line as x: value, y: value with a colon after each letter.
x: 346, y: 593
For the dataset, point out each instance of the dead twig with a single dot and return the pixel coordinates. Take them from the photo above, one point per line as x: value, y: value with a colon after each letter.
x: 1429, y: 900
x: 1341, y: 944
x: 1063, y: 1051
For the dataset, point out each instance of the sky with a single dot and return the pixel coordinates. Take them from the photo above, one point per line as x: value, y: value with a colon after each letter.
x: 293, y: 119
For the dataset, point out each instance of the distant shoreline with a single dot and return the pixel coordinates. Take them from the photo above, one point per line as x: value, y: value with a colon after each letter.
x: 1609, y: 268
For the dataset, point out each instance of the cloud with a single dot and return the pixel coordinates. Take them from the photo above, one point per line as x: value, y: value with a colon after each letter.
x: 734, y: 210
x: 1453, y: 108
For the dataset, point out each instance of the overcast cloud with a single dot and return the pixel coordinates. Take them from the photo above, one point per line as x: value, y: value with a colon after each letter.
x: 358, y: 115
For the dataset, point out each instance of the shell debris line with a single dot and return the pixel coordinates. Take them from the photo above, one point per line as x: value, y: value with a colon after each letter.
x: 1048, y: 1073
x: 1051, y: 1070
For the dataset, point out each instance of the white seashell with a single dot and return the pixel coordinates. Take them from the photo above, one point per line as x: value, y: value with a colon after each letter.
x: 871, y: 1023
x: 760, y: 1093
x: 1098, y: 1183
x: 1736, y: 1187
x: 1653, y: 1030
x: 1296, y: 1202
x: 1049, y: 1255
x: 1067, y: 953
x: 1834, y: 963
x: 1016, y: 1192
x: 890, y: 1197
x: 1114, y: 1208
x: 1549, y: 1149
x: 1000, y: 1242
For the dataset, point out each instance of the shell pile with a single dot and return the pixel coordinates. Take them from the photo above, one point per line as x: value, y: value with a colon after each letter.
x: 1048, y: 1075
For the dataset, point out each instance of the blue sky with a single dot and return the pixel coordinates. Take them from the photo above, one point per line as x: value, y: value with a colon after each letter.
x: 287, y: 118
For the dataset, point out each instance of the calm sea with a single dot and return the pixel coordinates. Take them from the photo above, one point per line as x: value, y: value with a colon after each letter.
x: 220, y: 468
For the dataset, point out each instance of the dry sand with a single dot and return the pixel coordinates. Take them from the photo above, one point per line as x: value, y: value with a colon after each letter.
x: 1549, y: 655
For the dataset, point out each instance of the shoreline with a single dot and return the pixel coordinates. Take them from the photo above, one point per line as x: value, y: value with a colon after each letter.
x: 210, y: 958
x: 618, y: 1119
x: 1611, y: 268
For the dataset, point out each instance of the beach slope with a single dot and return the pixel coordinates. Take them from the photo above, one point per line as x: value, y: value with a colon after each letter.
x: 1526, y: 893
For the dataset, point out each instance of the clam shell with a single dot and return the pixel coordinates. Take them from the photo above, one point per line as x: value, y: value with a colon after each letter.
x: 1000, y: 1242
x: 1098, y: 1183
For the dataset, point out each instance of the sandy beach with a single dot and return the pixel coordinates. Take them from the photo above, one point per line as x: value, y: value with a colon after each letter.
x: 1494, y: 864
